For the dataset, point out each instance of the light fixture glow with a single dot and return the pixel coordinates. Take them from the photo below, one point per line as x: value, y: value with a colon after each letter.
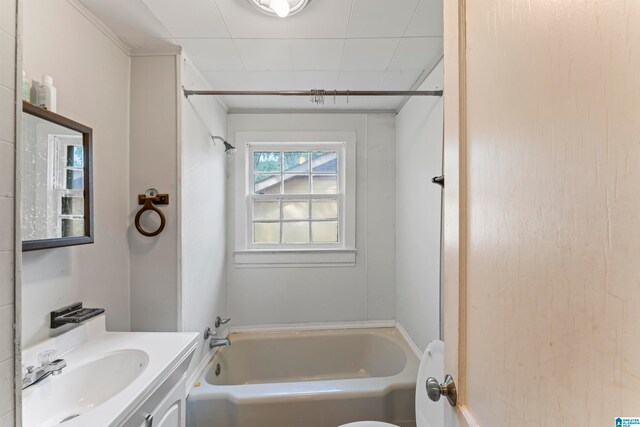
x: 280, y: 7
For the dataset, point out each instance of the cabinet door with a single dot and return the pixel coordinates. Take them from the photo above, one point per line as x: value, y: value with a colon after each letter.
x: 173, y: 416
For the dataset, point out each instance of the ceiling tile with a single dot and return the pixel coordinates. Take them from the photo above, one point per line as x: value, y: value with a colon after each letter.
x: 427, y: 21
x: 316, y: 54
x: 251, y: 80
x: 189, y: 18
x: 264, y: 54
x: 368, y: 54
x: 212, y: 54
x: 416, y: 53
x: 399, y: 80
x: 380, y: 18
x: 128, y: 18
x: 359, y: 80
x: 307, y: 80
x: 321, y: 19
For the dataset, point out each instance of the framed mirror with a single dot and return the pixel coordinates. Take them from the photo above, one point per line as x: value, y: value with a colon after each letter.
x: 56, y: 187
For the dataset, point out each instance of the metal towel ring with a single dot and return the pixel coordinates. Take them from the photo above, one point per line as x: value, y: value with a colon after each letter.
x: 149, y: 199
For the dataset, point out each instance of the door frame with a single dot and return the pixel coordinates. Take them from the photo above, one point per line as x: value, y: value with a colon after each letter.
x: 455, y: 207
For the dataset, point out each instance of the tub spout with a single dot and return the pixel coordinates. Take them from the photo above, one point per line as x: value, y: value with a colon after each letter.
x: 219, y: 342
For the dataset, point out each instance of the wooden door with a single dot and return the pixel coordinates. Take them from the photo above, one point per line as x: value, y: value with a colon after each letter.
x: 542, y: 211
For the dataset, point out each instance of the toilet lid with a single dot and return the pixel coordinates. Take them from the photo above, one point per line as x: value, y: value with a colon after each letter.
x: 368, y: 424
x: 429, y: 413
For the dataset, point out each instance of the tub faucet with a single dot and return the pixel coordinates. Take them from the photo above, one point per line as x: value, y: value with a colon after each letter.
x: 34, y: 374
x: 219, y: 342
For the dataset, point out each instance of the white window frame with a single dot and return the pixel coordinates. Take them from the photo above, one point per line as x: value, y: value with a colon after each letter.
x: 249, y: 254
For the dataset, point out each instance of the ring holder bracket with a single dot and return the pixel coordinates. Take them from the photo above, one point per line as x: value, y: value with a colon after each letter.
x: 149, y: 199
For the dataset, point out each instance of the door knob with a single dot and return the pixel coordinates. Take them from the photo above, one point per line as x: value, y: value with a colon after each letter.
x: 447, y: 389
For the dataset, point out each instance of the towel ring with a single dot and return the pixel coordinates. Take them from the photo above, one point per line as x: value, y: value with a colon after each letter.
x: 148, y: 199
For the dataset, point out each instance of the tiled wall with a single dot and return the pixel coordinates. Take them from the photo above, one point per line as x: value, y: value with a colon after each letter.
x: 7, y: 203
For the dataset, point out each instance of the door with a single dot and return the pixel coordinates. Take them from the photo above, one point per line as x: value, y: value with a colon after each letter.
x: 541, y: 229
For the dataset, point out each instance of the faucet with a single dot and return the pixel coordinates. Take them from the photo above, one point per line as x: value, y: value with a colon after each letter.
x: 48, y: 367
x: 219, y: 342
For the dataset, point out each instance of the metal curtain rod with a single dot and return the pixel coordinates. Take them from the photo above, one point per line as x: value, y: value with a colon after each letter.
x: 316, y: 92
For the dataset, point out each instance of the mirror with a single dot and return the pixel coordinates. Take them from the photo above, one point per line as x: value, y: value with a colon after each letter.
x: 57, y: 196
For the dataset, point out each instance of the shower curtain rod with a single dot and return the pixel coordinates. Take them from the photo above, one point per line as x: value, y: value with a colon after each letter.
x: 316, y: 92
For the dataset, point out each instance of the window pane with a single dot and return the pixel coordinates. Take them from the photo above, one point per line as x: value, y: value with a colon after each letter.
x: 75, y: 156
x: 325, y: 161
x: 72, y: 206
x: 266, y: 232
x: 266, y: 161
x: 72, y: 227
x: 296, y: 161
x: 295, y: 210
x: 75, y: 179
x: 296, y: 184
x: 325, y: 232
x: 324, y: 209
x: 296, y: 232
x: 325, y: 184
x: 266, y: 184
x: 266, y: 210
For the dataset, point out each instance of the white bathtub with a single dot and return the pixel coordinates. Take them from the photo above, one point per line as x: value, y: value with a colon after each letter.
x: 307, y: 379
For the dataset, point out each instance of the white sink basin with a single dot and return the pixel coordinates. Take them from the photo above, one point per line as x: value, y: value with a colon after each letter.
x: 109, y: 376
x: 79, y: 389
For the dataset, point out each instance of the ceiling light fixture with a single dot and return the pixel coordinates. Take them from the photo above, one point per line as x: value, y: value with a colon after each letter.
x: 281, y: 8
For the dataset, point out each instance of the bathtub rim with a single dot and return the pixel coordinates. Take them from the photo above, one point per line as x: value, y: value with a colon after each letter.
x: 264, y: 392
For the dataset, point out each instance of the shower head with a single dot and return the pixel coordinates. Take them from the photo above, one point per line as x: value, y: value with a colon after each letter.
x: 229, y: 149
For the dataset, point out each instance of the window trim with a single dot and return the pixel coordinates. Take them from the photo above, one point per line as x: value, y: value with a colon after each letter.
x: 247, y: 253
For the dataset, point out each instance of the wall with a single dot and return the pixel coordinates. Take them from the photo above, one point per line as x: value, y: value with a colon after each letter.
x: 91, y: 74
x: 553, y: 241
x: 366, y: 292
x: 203, y: 211
x: 154, y: 151
x: 7, y: 207
x: 418, y: 159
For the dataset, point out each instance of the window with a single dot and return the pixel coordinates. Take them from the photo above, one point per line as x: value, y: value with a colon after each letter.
x: 294, y: 198
x: 295, y: 195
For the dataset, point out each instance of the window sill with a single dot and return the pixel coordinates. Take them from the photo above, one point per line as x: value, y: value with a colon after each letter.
x: 282, y: 258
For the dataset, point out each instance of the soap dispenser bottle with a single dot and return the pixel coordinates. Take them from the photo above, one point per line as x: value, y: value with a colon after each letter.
x: 47, y: 94
x: 26, y: 87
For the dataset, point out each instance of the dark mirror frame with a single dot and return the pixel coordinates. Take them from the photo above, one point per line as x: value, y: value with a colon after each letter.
x: 87, y: 143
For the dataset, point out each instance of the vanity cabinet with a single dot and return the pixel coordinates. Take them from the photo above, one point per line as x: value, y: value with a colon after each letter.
x: 171, y: 412
x: 166, y: 405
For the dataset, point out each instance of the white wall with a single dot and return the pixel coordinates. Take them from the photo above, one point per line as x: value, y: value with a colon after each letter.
x: 7, y: 205
x: 91, y: 73
x: 276, y: 296
x: 155, y: 275
x: 419, y: 158
x: 203, y: 211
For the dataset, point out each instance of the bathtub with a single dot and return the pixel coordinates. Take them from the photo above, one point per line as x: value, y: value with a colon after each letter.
x: 307, y: 379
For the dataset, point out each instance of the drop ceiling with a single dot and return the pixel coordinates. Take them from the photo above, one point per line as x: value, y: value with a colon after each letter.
x: 332, y: 44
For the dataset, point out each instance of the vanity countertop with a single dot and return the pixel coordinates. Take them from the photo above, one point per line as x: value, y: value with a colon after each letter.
x: 108, y: 374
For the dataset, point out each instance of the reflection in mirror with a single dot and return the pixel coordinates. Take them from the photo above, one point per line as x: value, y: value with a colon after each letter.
x: 55, y: 181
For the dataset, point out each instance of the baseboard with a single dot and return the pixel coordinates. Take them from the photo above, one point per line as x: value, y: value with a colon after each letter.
x: 412, y: 344
x: 314, y: 326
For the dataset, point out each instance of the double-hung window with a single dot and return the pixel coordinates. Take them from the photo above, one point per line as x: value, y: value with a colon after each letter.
x: 294, y: 198
x: 296, y: 195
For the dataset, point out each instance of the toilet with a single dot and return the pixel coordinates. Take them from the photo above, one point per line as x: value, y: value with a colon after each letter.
x: 428, y: 413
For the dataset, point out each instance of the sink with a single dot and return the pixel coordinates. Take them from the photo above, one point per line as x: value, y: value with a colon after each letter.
x: 79, y: 389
